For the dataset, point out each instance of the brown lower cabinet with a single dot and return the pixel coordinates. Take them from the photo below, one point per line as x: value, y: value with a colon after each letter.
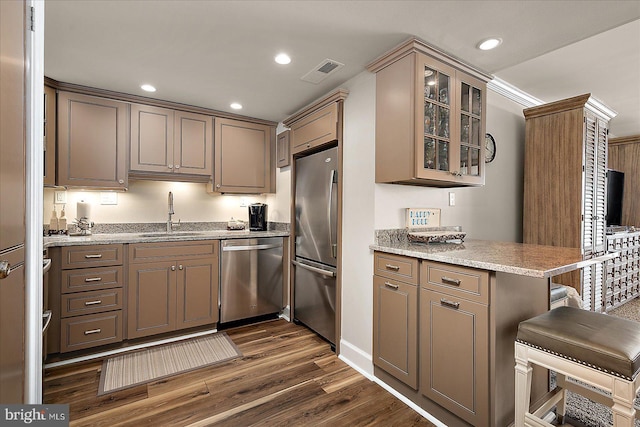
x: 443, y: 336
x: 89, y: 296
x: 454, y: 352
x: 171, y: 287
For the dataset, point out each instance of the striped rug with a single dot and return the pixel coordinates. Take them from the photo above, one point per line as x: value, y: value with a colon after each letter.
x: 130, y: 369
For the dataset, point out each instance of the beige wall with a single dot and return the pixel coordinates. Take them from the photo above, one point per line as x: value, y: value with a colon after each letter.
x: 147, y: 201
x: 492, y: 212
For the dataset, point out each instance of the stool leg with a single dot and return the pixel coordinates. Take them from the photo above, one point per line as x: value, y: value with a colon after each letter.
x: 561, y: 408
x: 523, y: 371
x: 623, y: 393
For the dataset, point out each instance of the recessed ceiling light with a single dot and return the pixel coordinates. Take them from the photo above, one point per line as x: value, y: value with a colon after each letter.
x: 236, y: 106
x: 490, y: 43
x: 283, y: 59
x: 148, y: 88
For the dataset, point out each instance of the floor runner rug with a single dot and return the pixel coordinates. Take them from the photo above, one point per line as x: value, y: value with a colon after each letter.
x: 143, y: 366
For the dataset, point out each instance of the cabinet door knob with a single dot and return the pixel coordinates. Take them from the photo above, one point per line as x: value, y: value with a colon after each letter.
x: 121, y: 181
x: 177, y: 166
x: 173, y: 268
x: 180, y: 267
x: 170, y: 166
x: 5, y: 269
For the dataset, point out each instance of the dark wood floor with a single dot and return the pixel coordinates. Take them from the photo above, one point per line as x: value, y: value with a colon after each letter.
x: 287, y: 376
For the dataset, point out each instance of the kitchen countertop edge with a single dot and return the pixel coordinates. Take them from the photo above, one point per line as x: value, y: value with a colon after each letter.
x: 543, y: 262
x: 109, y: 238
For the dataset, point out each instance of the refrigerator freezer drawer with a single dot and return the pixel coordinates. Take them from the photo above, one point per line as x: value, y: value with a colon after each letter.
x: 315, y: 298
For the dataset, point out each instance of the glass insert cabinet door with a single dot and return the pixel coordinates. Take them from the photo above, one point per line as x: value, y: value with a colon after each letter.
x: 450, y: 124
x: 471, y: 133
x: 437, y: 85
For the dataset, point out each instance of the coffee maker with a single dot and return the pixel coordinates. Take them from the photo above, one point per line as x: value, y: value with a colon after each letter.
x: 257, y: 217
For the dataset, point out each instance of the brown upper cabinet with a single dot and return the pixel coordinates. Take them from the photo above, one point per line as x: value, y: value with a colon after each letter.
x: 316, y: 129
x: 168, y: 143
x: 430, y: 118
x: 282, y: 149
x: 92, y: 141
x: 244, y: 157
x: 49, y: 136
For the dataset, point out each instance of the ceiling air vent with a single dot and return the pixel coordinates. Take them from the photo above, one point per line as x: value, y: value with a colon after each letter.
x: 322, y: 71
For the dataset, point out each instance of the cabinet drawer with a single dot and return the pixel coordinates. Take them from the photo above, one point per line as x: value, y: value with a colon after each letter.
x: 145, y: 252
x: 91, y: 302
x: 91, y: 279
x: 91, y: 256
x: 463, y: 282
x: 396, y: 267
x: 90, y: 331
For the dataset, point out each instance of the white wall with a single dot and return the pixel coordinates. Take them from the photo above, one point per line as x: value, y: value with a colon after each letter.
x: 492, y: 212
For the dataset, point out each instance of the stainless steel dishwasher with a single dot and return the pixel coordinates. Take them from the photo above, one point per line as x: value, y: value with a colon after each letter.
x: 250, y: 278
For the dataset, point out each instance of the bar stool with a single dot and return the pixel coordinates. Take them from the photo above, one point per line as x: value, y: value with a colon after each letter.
x: 596, y: 349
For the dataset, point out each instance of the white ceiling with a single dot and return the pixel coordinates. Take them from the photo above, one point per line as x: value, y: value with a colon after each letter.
x: 212, y: 53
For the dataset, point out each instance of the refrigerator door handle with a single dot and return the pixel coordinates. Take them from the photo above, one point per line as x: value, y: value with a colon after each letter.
x: 314, y: 269
x: 332, y: 180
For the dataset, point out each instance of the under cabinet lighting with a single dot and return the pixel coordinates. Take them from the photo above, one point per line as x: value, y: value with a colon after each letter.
x: 283, y: 59
x: 489, y: 44
x: 148, y: 88
x: 236, y: 106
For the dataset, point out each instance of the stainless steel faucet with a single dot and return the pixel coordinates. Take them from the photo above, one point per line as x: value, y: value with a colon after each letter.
x: 171, y: 212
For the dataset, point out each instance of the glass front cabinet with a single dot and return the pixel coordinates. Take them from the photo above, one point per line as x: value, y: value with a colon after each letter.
x: 430, y: 120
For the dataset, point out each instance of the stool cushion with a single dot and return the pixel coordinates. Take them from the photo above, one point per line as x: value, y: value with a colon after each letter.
x: 557, y: 292
x: 604, y: 342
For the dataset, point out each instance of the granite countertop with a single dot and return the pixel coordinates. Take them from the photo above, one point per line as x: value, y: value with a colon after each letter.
x: 151, y: 237
x: 508, y: 257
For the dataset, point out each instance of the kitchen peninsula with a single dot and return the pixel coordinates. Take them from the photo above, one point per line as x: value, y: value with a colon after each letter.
x: 446, y: 316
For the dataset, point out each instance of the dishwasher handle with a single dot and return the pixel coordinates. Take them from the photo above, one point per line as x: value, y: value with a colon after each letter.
x: 250, y: 247
x: 314, y: 269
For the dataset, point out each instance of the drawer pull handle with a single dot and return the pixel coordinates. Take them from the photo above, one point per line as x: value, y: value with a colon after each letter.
x: 449, y: 281
x: 448, y: 303
x: 392, y: 267
x: 93, y: 279
x: 93, y: 331
x: 98, y: 301
x: 391, y: 285
x: 93, y: 256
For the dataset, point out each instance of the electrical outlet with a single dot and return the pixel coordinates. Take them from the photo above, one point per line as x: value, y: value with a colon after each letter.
x: 60, y: 197
x: 243, y: 202
x: 108, y: 198
x: 452, y: 199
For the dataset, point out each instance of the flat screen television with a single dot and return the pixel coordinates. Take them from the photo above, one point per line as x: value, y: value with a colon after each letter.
x: 615, y: 186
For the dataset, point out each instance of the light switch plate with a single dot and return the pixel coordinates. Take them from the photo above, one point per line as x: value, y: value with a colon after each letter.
x: 422, y: 217
x: 108, y: 198
x: 60, y: 197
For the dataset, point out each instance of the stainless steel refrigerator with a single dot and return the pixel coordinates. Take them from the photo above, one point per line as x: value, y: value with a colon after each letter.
x: 315, y: 256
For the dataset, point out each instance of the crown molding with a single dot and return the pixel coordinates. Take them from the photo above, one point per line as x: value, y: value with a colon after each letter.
x: 511, y: 92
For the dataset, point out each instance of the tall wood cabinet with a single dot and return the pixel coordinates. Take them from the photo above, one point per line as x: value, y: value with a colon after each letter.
x: 565, y: 185
x: 170, y: 143
x: 430, y: 118
x: 92, y: 141
x: 624, y: 156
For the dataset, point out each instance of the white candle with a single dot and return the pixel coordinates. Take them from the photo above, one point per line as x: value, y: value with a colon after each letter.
x: 83, y: 210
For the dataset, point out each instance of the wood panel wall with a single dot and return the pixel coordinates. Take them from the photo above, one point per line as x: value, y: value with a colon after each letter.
x: 624, y: 156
